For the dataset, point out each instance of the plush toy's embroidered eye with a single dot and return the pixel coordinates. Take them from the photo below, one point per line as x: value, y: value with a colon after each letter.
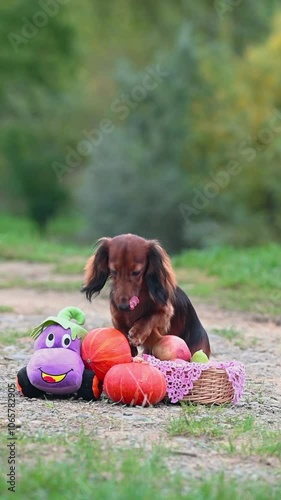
x: 50, y: 340
x: 65, y: 341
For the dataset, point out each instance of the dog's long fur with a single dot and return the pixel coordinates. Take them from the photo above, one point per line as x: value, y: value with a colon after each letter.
x: 142, y: 268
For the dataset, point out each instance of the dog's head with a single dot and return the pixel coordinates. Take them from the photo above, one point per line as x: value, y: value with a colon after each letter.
x: 132, y: 263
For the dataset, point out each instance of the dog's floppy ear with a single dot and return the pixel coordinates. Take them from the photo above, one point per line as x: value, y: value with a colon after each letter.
x: 159, y: 276
x: 96, y: 270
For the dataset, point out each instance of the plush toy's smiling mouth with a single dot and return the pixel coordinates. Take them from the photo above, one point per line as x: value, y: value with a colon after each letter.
x: 53, y: 379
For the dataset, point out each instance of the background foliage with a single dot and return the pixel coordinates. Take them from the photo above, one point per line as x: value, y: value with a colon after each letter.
x: 215, y: 104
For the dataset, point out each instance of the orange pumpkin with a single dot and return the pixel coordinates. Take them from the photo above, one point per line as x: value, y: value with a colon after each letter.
x: 97, y: 387
x: 103, y: 348
x: 135, y: 384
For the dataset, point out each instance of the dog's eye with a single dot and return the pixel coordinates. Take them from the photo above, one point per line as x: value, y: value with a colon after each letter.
x: 113, y: 272
x: 136, y: 273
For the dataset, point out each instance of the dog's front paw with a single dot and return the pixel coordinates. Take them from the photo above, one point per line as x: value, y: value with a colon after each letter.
x: 135, y: 337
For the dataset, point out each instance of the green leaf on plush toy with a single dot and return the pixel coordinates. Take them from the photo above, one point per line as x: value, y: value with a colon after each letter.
x: 64, y: 319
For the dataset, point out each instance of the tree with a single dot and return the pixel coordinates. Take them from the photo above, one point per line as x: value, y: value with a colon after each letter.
x: 37, y: 60
x: 237, y: 144
x: 136, y: 183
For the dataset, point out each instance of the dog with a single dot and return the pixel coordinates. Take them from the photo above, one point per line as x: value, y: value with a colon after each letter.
x: 145, y: 301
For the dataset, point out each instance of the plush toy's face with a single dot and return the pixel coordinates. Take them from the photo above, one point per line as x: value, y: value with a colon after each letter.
x: 56, y: 336
x: 56, y: 365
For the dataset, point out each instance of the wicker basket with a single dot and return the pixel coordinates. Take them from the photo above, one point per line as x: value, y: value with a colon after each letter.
x: 216, y: 382
x: 213, y: 387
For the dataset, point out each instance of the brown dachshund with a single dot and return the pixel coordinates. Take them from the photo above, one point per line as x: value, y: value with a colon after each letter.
x: 145, y: 301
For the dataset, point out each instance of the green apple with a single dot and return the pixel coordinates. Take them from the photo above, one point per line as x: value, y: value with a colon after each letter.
x: 199, y: 357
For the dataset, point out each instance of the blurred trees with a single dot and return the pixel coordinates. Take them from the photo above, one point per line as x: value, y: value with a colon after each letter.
x: 137, y: 178
x: 193, y: 160
x: 38, y: 59
x: 243, y: 126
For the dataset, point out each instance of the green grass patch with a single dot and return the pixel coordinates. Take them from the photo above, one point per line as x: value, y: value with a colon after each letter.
x: 71, y: 267
x: 43, y: 286
x: 261, y: 442
x: 6, y: 309
x: 11, y: 337
x: 270, y: 444
x: 236, y: 278
x: 58, y: 286
x: 212, y: 423
x: 67, y: 468
x: 246, y: 279
x: 237, y: 266
x: 236, y: 337
x: 235, y: 435
x: 228, y: 333
x: 20, y: 240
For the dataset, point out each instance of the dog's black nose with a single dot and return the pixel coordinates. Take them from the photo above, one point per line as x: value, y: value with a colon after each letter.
x: 124, y: 307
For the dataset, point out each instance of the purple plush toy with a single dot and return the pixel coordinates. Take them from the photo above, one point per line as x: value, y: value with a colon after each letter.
x: 56, y: 367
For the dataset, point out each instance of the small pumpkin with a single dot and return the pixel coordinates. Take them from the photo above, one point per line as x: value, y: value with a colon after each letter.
x: 103, y: 348
x: 135, y: 384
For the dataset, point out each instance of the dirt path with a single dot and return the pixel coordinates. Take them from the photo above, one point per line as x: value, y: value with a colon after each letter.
x: 257, y: 345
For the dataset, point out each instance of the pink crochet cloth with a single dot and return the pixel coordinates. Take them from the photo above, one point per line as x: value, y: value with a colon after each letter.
x: 180, y: 379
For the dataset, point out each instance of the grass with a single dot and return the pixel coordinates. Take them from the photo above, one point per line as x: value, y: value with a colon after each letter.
x: 246, y: 279
x: 12, y: 337
x: 235, y: 267
x: 43, y: 286
x: 6, y: 309
x: 66, y: 467
x: 236, y: 337
x: 228, y: 333
x: 80, y: 469
x: 236, y: 435
x: 58, y: 286
x: 71, y: 267
x: 212, y: 423
x: 262, y: 442
x: 19, y: 240
x: 236, y: 278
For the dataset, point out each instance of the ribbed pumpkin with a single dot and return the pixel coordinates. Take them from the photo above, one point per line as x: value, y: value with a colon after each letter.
x: 103, y: 348
x: 135, y: 384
